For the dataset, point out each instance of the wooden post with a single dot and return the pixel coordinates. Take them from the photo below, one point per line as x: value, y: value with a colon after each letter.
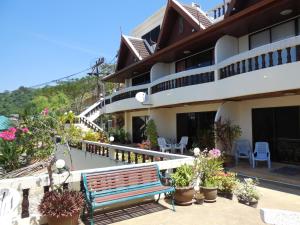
x: 129, y: 159
x: 136, y: 158
x: 270, y: 59
x: 263, y: 61
x: 144, y: 158
x: 279, y: 51
x: 288, y: 55
x: 25, y: 204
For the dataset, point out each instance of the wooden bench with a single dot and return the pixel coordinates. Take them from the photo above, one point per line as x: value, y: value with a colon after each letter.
x: 121, y: 185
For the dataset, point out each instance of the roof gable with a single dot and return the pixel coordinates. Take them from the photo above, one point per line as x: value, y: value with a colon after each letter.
x: 131, y: 50
x: 179, y: 22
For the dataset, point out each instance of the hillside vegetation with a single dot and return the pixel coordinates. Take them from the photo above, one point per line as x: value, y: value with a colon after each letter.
x: 69, y: 95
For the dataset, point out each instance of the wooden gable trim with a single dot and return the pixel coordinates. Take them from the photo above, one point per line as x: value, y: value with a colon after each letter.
x: 173, y: 4
x: 196, y: 36
x: 129, y: 46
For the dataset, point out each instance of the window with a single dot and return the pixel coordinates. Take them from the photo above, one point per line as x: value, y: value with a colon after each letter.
x: 202, y: 59
x: 260, y: 39
x: 275, y: 33
x: 180, y: 25
x: 283, y: 31
x: 141, y: 79
x: 152, y: 36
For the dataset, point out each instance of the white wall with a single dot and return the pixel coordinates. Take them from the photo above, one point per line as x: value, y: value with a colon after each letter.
x: 240, y: 113
x: 159, y: 70
x: 243, y: 43
x: 150, y: 23
x: 225, y: 47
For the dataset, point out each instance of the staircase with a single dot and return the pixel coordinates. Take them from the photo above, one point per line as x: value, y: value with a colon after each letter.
x: 87, y: 117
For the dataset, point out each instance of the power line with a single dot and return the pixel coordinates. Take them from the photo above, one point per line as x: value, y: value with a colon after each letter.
x: 69, y: 76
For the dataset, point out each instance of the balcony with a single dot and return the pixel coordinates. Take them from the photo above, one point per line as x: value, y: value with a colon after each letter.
x: 269, y: 68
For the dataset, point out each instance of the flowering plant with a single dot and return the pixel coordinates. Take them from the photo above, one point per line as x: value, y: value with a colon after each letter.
x: 246, y: 191
x: 207, y: 165
x: 227, y: 182
x: 12, y: 145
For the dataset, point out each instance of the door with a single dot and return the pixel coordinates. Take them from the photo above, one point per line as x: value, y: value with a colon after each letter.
x: 138, y: 128
x: 198, y: 127
x: 280, y: 127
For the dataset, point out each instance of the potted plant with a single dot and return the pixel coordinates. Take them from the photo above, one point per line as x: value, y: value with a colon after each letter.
x: 247, y: 193
x: 227, y: 183
x: 207, y: 166
x: 226, y: 133
x: 62, y: 207
x: 183, y: 180
x: 199, y: 197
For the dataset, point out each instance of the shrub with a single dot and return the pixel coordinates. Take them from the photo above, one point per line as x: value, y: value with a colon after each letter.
x: 227, y: 182
x: 91, y: 136
x: 246, y: 190
x: 61, y: 204
x: 207, y: 165
x: 151, y: 133
x: 184, y: 176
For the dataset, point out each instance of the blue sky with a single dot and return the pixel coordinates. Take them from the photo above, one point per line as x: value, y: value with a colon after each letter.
x: 46, y: 40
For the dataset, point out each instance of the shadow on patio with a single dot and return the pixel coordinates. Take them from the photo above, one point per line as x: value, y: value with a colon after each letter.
x: 285, y: 174
x: 125, y: 213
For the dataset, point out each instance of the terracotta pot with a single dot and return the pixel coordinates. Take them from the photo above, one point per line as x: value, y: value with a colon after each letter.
x: 210, y: 194
x: 184, y: 195
x: 69, y: 220
x: 227, y: 195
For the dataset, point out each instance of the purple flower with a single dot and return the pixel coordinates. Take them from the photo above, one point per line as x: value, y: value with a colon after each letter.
x: 214, y: 153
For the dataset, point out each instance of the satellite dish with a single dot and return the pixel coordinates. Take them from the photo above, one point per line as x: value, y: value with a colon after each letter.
x: 140, y: 97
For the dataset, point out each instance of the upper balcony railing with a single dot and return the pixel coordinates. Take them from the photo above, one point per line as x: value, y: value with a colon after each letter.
x: 219, y: 10
x: 277, y: 53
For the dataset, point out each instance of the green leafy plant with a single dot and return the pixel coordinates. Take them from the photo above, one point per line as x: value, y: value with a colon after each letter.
x: 226, y: 133
x: 207, y: 165
x: 151, y: 132
x: 91, y: 136
x: 246, y: 191
x: 227, y: 182
x: 184, y: 176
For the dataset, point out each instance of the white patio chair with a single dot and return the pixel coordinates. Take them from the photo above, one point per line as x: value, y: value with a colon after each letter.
x: 163, y: 144
x: 9, y: 201
x: 182, y: 144
x: 242, y: 150
x: 279, y: 217
x: 261, y: 153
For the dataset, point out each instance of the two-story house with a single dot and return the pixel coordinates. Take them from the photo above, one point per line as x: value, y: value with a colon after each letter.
x: 240, y: 61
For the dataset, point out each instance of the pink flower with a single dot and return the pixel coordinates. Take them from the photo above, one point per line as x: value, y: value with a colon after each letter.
x: 12, y: 130
x: 7, y: 135
x: 214, y: 153
x: 45, y: 112
x: 25, y: 130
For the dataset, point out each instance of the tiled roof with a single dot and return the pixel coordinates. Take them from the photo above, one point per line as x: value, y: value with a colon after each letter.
x: 198, y: 15
x: 140, y: 47
x: 5, y: 123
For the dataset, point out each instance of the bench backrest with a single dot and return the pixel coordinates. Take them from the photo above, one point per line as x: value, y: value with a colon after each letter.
x: 120, y: 178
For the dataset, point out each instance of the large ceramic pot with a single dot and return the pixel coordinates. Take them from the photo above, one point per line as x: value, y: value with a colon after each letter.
x: 184, y: 195
x: 210, y: 194
x: 69, y: 220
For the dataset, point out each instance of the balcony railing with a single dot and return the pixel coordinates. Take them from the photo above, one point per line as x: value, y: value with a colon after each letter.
x: 274, y: 54
x: 183, y: 81
x: 131, y: 157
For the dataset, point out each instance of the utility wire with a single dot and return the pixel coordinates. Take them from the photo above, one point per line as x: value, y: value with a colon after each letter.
x: 69, y: 76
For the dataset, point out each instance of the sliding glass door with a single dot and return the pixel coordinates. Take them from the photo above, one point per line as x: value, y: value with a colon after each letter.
x: 280, y: 127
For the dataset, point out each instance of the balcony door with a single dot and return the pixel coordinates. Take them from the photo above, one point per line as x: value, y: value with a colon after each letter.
x: 280, y: 127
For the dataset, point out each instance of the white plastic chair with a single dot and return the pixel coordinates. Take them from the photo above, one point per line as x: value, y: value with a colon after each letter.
x: 261, y: 153
x: 163, y: 144
x: 242, y: 150
x: 182, y: 144
x: 279, y: 217
x: 9, y: 201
